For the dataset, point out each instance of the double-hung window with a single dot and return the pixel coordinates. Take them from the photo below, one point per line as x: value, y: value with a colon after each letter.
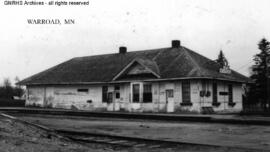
x: 147, y: 93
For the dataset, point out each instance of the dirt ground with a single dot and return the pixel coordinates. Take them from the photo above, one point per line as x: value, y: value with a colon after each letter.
x: 248, y: 136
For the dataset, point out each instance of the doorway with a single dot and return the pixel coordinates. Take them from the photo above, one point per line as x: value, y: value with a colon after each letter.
x: 170, y: 100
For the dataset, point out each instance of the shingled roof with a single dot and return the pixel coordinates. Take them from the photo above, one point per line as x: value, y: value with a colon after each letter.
x: 169, y: 63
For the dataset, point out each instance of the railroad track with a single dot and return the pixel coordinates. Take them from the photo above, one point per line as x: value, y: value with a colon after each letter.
x: 124, y: 141
x: 112, y: 140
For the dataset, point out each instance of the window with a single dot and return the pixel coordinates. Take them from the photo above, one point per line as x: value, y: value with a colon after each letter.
x: 117, y: 87
x: 186, y: 92
x: 231, y: 103
x: 117, y: 95
x: 223, y: 93
x: 169, y: 93
x: 204, y: 84
x: 205, y: 89
x: 230, y: 93
x: 136, y: 93
x: 104, y: 93
x: 83, y: 90
x: 147, y: 93
x: 117, y: 91
x: 215, y: 96
x: 215, y: 93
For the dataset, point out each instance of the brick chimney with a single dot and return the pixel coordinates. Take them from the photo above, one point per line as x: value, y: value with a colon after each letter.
x: 122, y: 49
x: 176, y: 43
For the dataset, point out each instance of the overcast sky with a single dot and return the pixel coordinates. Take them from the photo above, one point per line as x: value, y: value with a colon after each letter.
x: 205, y: 26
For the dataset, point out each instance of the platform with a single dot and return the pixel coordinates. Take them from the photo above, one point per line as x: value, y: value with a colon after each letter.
x: 213, y: 118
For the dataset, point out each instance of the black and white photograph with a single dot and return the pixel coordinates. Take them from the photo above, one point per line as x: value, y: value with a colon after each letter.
x: 135, y: 76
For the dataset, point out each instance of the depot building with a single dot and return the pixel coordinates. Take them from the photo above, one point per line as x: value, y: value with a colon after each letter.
x: 173, y: 79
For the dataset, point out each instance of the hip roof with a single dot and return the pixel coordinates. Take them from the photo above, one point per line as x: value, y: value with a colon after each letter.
x: 169, y: 63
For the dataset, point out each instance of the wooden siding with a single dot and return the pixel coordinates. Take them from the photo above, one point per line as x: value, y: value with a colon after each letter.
x: 69, y: 97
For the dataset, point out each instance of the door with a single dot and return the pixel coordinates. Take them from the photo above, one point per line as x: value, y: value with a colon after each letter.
x: 136, y: 96
x: 169, y: 100
x: 110, y: 105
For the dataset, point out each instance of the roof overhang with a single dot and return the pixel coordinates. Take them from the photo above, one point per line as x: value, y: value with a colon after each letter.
x: 146, y: 80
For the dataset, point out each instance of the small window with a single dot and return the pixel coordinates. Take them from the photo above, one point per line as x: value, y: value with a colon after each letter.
x: 117, y: 95
x: 117, y: 87
x: 83, y: 90
x: 222, y: 93
x: 169, y: 93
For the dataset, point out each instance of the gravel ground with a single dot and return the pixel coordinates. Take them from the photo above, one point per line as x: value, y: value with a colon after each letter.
x: 248, y: 136
x: 18, y: 137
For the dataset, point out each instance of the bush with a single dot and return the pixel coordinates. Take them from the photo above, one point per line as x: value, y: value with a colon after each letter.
x: 12, y: 103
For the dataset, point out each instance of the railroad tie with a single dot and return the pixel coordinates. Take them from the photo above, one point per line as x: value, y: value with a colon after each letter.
x: 154, y: 146
x: 139, y: 145
x: 103, y: 140
x: 129, y: 143
x: 89, y: 138
x: 118, y: 142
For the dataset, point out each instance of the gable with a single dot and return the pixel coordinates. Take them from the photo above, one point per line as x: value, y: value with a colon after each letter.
x: 137, y: 69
